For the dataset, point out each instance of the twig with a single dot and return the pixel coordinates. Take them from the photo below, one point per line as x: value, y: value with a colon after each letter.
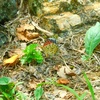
x: 42, y: 30
x: 96, y: 59
x: 17, y: 18
x: 21, y: 4
x: 65, y: 63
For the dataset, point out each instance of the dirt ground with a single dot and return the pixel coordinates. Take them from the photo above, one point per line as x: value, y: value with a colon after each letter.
x: 65, y: 64
x: 71, y: 49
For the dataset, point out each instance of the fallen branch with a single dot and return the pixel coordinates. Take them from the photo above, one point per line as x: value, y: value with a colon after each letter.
x: 42, y: 30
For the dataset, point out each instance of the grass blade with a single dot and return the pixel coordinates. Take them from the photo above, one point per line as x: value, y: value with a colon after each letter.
x: 71, y: 90
x: 89, y: 86
x: 83, y: 96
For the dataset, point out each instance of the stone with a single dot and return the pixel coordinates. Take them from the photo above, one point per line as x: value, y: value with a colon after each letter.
x: 61, y: 22
x: 8, y: 10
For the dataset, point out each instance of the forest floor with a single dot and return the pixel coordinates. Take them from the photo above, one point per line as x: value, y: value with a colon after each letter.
x: 63, y: 64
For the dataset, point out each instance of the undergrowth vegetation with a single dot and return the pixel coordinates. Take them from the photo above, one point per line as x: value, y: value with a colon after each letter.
x: 39, y: 90
x: 8, y: 89
x: 32, y: 53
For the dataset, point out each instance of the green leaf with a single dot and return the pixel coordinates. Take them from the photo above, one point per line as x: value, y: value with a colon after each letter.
x: 89, y: 86
x: 26, y: 58
x: 92, y: 39
x: 23, y: 59
x: 29, y: 49
x: 6, y: 95
x: 71, y: 90
x: 5, y: 80
x: 38, y: 93
x: 83, y: 96
x: 38, y: 57
x: 31, y: 53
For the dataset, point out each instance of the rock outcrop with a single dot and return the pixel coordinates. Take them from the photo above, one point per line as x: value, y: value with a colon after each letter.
x: 58, y: 19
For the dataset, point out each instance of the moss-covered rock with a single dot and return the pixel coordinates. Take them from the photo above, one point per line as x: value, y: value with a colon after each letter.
x: 8, y: 10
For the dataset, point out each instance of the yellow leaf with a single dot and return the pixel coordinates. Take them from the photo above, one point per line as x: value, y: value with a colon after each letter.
x: 11, y: 61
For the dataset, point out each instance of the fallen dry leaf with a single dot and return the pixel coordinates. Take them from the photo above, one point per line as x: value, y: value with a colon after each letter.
x: 11, y: 61
x: 61, y: 72
x: 20, y: 29
x: 32, y: 85
x: 25, y: 27
x: 63, y: 81
x: 18, y: 52
x: 69, y: 72
x: 21, y: 37
x: 25, y: 32
x: 62, y: 95
x: 64, y: 71
x: 31, y: 35
x: 28, y: 27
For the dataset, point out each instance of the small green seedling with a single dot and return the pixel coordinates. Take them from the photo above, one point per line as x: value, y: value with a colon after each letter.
x: 89, y: 86
x: 38, y: 93
x: 92, y: 39
x: 32, y: 53
x: 7, y: 89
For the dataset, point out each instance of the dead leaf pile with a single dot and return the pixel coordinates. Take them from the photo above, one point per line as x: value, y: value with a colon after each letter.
x: 26, y: 32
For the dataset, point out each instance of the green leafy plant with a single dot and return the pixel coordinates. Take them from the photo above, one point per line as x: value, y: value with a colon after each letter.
x: 92, y: 39
x: 31, y: 53
x: 89, y: 86
x: 8, y: 90
x: 38, y: 93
